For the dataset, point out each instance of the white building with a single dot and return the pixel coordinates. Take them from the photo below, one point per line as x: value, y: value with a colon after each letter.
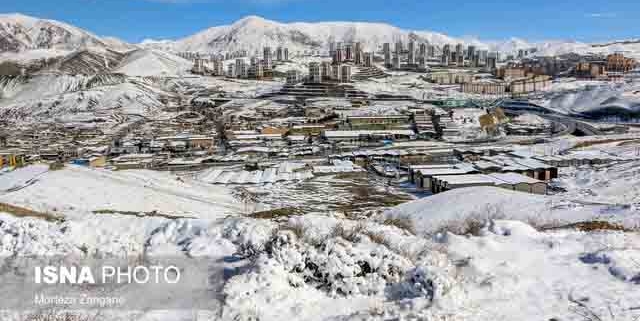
x: 411, y: 58
x: 368, y: 59
x: 325, y: 69
x: 267, y: 58
x: 293, y: 77
x: 336, y: 72
x: 231, y: 70
x: 315, y: 73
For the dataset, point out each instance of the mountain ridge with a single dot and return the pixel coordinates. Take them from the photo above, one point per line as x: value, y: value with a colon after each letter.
x: 21, y: 33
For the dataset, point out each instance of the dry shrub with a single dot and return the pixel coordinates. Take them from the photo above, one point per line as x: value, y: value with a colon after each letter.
x: 377, y: 237
x: 588, y: 226
x: 403, y: 223
x: 298, y: 229
x: 349, y: 234
x: 476, y: 221
x: 276, y: 213
x: 25, y: 212
x: 472, y: 225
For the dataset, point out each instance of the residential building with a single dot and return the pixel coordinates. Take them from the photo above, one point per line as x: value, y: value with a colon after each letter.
x: 368, y: 59
x: 431, y: 51
x: 315, y: 73
x: 326, y: 69
x: 293, y: 77
x: 411, y: 59
x: 267, y: 58
x: 617, y: 62
x: 345, y: 73
x: 348, y: 52
x: 485, y: 87
x: 338, y: 56
x: 398, y: 48
x: 336, y: 72
x: 471, y: 52
x: 231, y: 70
x: 358, y: 54
x: 386, y: 48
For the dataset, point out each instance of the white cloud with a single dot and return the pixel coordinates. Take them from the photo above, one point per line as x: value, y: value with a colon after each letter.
x: 600, y: 15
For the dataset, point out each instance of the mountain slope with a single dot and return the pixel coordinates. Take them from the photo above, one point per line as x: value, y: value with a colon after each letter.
x: 19, y: 32
x: 146, y: 62
x: 253, y: 33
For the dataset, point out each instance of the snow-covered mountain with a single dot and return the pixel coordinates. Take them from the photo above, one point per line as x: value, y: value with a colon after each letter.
x: 24, y: 38
x: 253, y: 33
x: 19, y: 33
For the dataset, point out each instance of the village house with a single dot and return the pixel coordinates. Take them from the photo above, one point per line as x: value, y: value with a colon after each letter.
x: 510, y: 181
x: 12, y: 158
x: 307, y: 130
x: 378, y: 122
x: 334, y: 136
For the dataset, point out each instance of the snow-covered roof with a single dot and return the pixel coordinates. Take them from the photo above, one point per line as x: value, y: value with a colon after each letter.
x: 357, y: 133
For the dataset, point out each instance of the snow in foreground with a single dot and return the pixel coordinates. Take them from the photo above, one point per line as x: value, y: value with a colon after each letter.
x: 325, y: 268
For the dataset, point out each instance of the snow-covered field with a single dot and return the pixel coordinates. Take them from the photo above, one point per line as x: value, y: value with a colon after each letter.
x: 77, y: 191
x: 316, y: 267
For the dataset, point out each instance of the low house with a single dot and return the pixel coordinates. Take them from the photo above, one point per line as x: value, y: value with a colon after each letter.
x: 130, y: 147
x: 518, y: 182
x: 511, y: 181
x: 377, y: 122
x: 133, y: 161
x: 504, y: 163
x: 425, y: 178
x: 183, y: 142
x: 97, y: 161
x: 91, y: 161
x: 367, y: 135
x: 474, y: 154
x: 413, y: 169
x: 307, y: 130
x: 580, y: 158
x: 442, y: 183
x: 14, y: 158
x: 271, y: 130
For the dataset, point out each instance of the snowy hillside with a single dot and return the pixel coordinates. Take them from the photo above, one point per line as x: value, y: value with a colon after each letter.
x: 47, y: 96
x: 252, y: 33
x: 19, y: 33
x: 153, y: 63
x: 607, y: 100
x: 23, y: 34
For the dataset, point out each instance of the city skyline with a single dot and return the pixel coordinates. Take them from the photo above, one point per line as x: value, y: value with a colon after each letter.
x: 134, y: 21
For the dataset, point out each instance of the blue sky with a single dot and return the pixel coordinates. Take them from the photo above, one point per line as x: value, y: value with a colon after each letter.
x: 134, y: 20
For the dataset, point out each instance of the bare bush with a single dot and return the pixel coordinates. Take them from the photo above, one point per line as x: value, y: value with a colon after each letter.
x: 403, y: 223
x: 298, y: 229
x: 476, y: 221
x: 377, y: 237
x: 349, y: 234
